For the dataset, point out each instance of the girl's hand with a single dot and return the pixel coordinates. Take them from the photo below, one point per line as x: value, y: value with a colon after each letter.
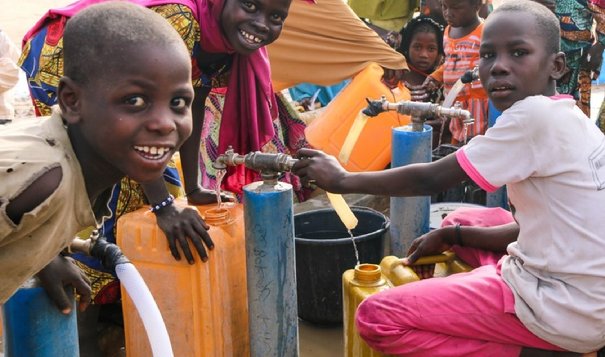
x: 200, y: 196
x: 316, y: 167
x: 62, y: 272
x: 393, y: 39
x: 430, y: 84
x: 431, y: 243
x: 418, y: 93
x: 181, y: 224
x: 392, y: 77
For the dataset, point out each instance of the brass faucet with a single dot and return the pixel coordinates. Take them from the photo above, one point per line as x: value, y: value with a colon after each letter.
x: 269, y: 165
x: 419, y: 111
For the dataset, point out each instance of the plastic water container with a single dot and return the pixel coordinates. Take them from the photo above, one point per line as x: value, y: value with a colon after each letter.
x: 372, y: 151
x: 358, y: 284
x: 34, y: 327
x: 204, y: 305
x: 398, y: 274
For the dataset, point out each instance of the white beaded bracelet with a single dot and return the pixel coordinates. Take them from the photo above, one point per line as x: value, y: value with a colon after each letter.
x: 167, y: 202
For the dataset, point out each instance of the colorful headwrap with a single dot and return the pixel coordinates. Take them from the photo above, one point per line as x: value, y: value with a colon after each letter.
x: 250, y: 104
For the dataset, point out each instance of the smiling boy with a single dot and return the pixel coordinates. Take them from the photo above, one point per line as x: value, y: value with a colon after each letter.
x: 120, y: 115
x: 548, y: 292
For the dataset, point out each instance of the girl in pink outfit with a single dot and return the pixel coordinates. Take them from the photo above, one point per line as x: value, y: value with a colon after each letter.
x: 547, y: 292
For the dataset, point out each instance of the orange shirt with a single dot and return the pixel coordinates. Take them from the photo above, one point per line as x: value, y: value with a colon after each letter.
x: 461, y: 54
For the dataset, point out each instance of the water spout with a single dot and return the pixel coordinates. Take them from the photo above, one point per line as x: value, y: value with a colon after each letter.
x: 269, y: 165
x: 419, y: 110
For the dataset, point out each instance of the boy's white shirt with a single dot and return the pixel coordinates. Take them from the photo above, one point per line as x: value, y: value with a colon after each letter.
x: 552, y: 159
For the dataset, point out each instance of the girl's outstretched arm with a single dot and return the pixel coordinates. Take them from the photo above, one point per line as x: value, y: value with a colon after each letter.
x: 411, y: 180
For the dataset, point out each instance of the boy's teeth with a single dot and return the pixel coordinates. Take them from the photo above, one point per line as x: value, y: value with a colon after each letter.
x: 153, y: 150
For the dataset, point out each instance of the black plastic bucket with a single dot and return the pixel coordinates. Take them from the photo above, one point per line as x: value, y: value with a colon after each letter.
x: 324, y: 251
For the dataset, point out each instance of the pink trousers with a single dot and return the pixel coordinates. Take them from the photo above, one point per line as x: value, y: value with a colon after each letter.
x: 466, y: 314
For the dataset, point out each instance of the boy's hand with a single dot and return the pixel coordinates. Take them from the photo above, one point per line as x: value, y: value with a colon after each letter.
x: 180, y: 224
x: 61, y: 272
x: 316, y: 167
x: 431, y: 243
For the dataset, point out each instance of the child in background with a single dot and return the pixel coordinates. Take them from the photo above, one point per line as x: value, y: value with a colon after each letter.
x: 548, y: 293
x: 9, y: 76
x: 461, y: 45
x: 422, y: 46
x: 583, y: 50
x: 117, y: 101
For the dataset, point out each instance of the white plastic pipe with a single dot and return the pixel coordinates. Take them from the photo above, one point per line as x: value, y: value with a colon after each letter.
x: 147, y: 308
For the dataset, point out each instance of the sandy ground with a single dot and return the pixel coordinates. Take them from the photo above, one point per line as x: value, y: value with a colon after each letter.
x: 17, y: 17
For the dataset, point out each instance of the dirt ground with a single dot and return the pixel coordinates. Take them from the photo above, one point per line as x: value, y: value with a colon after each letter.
x: 17, y: 17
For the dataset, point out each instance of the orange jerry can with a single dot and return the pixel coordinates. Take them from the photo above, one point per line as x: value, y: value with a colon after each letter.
x: 204, y: 305
x: 358, y: 284
x: 372, y: 151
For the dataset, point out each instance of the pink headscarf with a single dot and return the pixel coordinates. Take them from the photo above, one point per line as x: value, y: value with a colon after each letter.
x: 247, y: 122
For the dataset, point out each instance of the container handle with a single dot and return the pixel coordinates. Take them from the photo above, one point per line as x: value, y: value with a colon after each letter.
x: 434, y: 259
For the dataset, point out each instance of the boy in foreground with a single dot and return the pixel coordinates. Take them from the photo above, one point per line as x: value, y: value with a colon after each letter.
x: 124, y: 110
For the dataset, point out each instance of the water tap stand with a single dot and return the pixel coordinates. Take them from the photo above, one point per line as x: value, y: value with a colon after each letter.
x: 268, y: 164
x: 419, y: 111
x: 270, y: 258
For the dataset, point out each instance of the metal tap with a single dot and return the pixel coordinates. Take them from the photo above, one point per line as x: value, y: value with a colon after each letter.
x: 470, y: 75
x: 419, y: 111
x: 269, y: 165
x: 97, y: 246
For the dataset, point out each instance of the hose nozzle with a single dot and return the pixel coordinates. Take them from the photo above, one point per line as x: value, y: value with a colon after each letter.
x: 109, y: 254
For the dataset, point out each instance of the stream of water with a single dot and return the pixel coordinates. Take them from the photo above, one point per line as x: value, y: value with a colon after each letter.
x: 220, y: 174
x: 354, y: 246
